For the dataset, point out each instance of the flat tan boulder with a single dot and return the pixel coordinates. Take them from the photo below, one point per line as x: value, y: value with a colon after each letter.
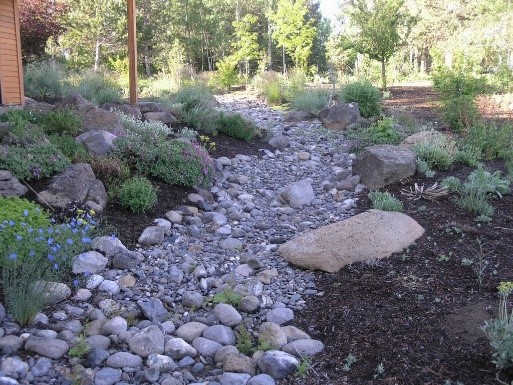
x: 370, y: 235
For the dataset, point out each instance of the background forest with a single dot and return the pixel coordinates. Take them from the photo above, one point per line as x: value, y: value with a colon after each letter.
x: 177, y: 38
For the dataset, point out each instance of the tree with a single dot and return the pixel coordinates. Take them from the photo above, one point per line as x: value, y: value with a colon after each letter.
x: 39, y: 20
x: 246, y: 42
x: 383, y: 28
x: 294, y: 32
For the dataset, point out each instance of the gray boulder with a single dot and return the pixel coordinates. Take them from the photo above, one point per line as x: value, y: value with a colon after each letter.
x: 76, y: 184
x: 370, y: 235
x: 340, y: 116
x: 152, y: 235
x: 166, y: 118
x: 279, y: 141
x: 298, y: 194
x: 10, y: 185
x: 298, y: 116
x: 149, y: 340
x: 97, y: 142
x: 277, y: 364
x: 379, y: 166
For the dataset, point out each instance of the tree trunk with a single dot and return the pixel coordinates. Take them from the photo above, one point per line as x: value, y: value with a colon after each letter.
x: 97, y: 56
x: 269, y: 46
x: 284, y: 61
x: 383, y: 75
x: 146, y: 57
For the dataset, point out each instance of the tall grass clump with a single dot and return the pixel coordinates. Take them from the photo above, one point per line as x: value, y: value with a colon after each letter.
x: 495, y: 140
x: 311, y: 100
x: 235, y: 126
x: 97, y: 88
x: 196, y: 95
x: 44, y: 80
x: 270, y: 87
x: 367, y: 96
x: 295, y: 83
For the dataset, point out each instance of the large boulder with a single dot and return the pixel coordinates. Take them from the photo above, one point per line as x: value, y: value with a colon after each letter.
x: 10, y: 185
x: 161, y: 117
x: 382, y: 165
x: 298, y: 116
x: 340, y: 116
x: 423, y: 137
x: 370, y: 235
x: 76, y: 184
x: 97, y: 142
x: 298, y: 194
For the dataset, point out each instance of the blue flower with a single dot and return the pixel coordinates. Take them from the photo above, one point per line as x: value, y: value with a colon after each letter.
x: 32, y: 253
x: 49, y: 241
x: 56, y: 266
x: 41, y: 231
x: 69, y: 241
x: 25, y: 213
x: 11, y: 223
x: 86, y: 240
x: 30, y: 230
x: 113, y: 237
x: 12, y: 256
x: 19, y: 237
x: 51, y: 257
x: 76, y: 282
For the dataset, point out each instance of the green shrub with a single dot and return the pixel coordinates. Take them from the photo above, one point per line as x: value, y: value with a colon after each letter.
x: 384, y: 132
x: 192, y: 96
x: 295, y: 83
x: 96, y: 88
x: 111, y: 171
x: 438, y: 154
x: 385, y: 201
x: 235, y: 126
x: 460, y: 113
x: 34, y: 161
x: 468, y: 155
x: 61, y: 122
x: 495, y: 140
x: 366, y: 95
x: 21, y: 130
x: 43, y: 80
x: 226, y: 75
x: 177, y: 162
x: 137, y: 194
x: 70, y: 148
x: 147, y: 131
x: 311, y: 100
x: 475, y: 192
x: 453, y: 84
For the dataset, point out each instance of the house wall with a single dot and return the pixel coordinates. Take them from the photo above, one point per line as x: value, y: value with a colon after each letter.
x: 11, y: 71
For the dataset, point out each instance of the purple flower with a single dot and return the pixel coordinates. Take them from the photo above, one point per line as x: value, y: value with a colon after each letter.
x: 32, y: 253
x: 51, y: 257
x: 56, y: 266
x: 49, y: 241
x: 19, y: 237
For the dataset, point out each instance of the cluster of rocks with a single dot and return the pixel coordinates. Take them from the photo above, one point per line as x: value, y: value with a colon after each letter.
x: 208, y: 296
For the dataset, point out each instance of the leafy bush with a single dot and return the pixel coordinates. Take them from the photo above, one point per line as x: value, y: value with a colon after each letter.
x: 437, y: 153
x: 295, y: 83
x: 70, y: 148
x: 468, y: 155
x: 137, y: 194
x: 460, y: 113
x: 194, y: 96
x: 453, y: 84
x: 495, y: 140
x: 311, y: 100
x: 226, y: 75
x: 110, y: 170
x: 43, y: 80
x: 475, y: 192
x: 385, y: 201
x: 384, y: 132
x: 63, y: 121
x: 147, y: 131
x: 34, y: 161
x: 366, y: 95
x: 177, y: 162
x: 235, y: 126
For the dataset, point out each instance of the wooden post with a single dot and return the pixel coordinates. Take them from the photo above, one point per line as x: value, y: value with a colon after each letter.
x: 132, y: 51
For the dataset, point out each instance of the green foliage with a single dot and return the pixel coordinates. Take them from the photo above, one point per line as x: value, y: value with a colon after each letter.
x: 385, y: 201
x: 460, y: 113
x: 192, y: 96
x: 366, y: 95
x: 69, y: 147
x: 303, y: 367
x: 424, y: 168
x: 244, y: 343
x: 62, y: 121
x: 34, y: 258
x: 438, y: 153
x: 270, y: 86
x: 203, y: 119
x: 235, y: 126
x: 295, y: 83
x: 137, y: 194
x: 310, y: 100
x: 98, y: 89
x: 177, y: 162
x: 495, y: 140
x: 111, y: 171
x: 500, y: 330
x: 452, y: 83
x: 476, y: 191
x: 80, y: 349
x: 144, y: 130
x: 43, y: 80
x: 348, y: 362
x: 246, y: 42
x: 229, y: 296
x: 384, y: 132
x: 226, y: 75
x: 468, y: 155
x: 34, y: 161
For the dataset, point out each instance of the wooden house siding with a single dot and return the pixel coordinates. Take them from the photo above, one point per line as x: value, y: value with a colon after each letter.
x: 11, y: 71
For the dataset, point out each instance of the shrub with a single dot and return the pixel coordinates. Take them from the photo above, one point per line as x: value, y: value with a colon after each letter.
x: 226, y: 75
x: 453, y: 84
x: 475, y: 192
x: 311, y: 100
x: 62, y: 121
x: 43, y: 80
x: 270, y: 87
x: 34, y: 161
x: 194, y: 96
x: 147, y: 131
x: 384, y: 132
x: 110, y: 170
x: 366, y: 95
x: 385, y: 201
x: 96, y: 88
x: 437, y: 153
x: 137, y: 194
x: 203, y: 119
x: 495, y: 140
x: 177, y: 162
x: 460, y: 113
x: 70, y: 148
x: 295, y: 83
x: 468, y: 155
x: 235, y: 126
